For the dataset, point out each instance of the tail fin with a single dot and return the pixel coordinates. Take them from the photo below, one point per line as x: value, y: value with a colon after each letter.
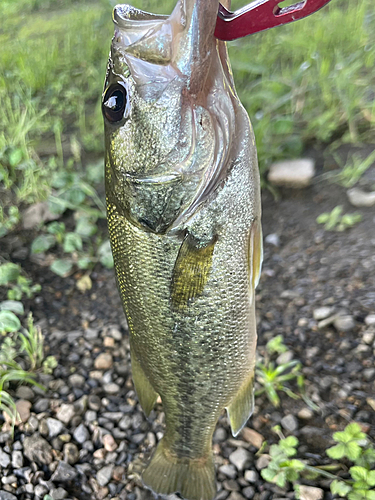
x: 194, y: 479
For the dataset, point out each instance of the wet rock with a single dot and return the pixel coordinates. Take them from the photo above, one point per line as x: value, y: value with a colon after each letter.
x: 104, y: 361
x: 64, y: 473
x: 109, y: 443
x: 344, y: 323
x: 81, y: 434
x: 55, y: 427
x: 310, y: 493
x: 71, y: 453
x: 65, y: 413
x: 292, y: 173
x: 38, y: 450
x: 359, y: 198
x: 289, y: 423
x: 239, y: 458
x: 4, y: 459
x: 104, y: 475
x: 17, y: 459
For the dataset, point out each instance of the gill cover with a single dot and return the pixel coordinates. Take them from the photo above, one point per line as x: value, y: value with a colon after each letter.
x: 170, y: 91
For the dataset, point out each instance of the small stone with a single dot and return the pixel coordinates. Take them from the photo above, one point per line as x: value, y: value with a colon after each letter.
x: 94, y: 402
x: 40, y: 490
x: 91, y: 334
x: 228, y: 470
x: 71, y: 453
x: 17, y: 459
x: 239, y: 458
x: 100, y: 454
x: 38, y: 450
x: 231, y: 485
x: 109, y: 443
x: 55, y: 427
x: 359, y: 198
x: 77, y: 380
x: 262, y: 462
x: 118, y: 473
x: 81, y: 434
x: 322, y: 313
x: 371, y: 402
x: 326, y: 322
x: 109, y: 342
x: 235, y: 496
x: 111, y: 388
x: 251, y: 476
x: 104, y: 475
x: 273, y: 239
x: 253, y: 437
x: 305, y: 414
x: 43, y: 427
x: 248, y: 492
x: 290, y: 423
x: 91, y: 416
x: 5, y: 495
x: 369, y: 374
x: 292, y: 173
x: 23, y: 408
x: 36, y: 214
x: 370, y: 320
x: 4, y: 459
x: 32, y: 425
x: 220, y: 435
x: 25, y: 392
x: 368, y: 337
x: 64, y: 473
x: 310, y: 493
x: 344, y: 323
x: 65, y: 413
x: 104, y: 361
x: 41, y: 405
x: 58, y: 493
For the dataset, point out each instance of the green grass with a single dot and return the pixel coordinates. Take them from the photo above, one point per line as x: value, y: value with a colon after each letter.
x: 307, y: 82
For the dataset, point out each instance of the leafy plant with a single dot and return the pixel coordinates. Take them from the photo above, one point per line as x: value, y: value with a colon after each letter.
x: 352, y: 444
x: 11, y: 277
x: 335, y: 221
x: 8, y: 222
x: 33, y: 344
x: 354, y: 169
x: 49, y: 364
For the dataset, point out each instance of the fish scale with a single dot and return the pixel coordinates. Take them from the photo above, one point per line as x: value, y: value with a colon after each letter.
x: 186, y: 239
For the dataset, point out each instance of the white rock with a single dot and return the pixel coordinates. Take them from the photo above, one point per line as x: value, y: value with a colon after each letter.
x: 37, y: 213
x: 239, y: 458
x: 344, y: 323
x: 251, y: 476
x: 66, y: 413
x: 370, y: 320
x: 104, y: 475
x: 292, y: 173
x: 322, y: 313
x: 359, y: 198
x: 55, y: 427
x: 310, y: 493
x: 273, y: 239
x: 290, y: 423
x: 368, y: 337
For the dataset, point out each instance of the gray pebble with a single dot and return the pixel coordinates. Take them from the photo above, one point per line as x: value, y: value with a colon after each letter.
x: 9, y: 479
x: 38, y: 450
x: 290, y: 423
x: 71, y: 453
x: 322, y: 313
x: 228, y: 470
x: 40, y: 490
x: 248, y: 492
x: 125, y: 423
x: 77, y: 380
x: 25, y: 392
x: 17, y: 459
x: 370, y: 320
x: 138, y: 438
x: 220, y: 435
x: 81, y: 434
x: 111, y: 388
x: 344, y: 323
x: 104, y: 475
x: 251, y: 476
x: 272, y: 239
x: 64, y: 473
x: 32, y: 425
x: 284, y: 357
x: 41, y: 405
x: 91, y: 334
x: 58, y: 493
x: 5, y: 495
x: 4, y: 459
x: 65, y: 413
x: 55, y: 427
x: 94, y: 402
x: 91, y: 416
x: 262, y: 462
x: 239, y: 458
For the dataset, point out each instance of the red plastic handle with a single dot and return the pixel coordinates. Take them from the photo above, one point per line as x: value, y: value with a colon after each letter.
x: 261, y: 15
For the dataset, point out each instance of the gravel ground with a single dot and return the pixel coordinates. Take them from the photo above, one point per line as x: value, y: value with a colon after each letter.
x: 87, y: 438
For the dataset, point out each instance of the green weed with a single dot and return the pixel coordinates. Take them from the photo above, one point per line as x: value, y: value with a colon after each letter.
x: 18, y: 285
x: 352, y: 445
x: 337, y: 221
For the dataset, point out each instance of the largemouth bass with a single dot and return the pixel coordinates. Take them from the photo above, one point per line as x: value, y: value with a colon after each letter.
x: 183, y: 204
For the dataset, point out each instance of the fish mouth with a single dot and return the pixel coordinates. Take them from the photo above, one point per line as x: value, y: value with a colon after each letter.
x: 128, y: 17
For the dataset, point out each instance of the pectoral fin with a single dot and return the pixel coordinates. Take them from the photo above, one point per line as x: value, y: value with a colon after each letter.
x: 145, y: 392
x: 241, y: 408
x: 191, y: 271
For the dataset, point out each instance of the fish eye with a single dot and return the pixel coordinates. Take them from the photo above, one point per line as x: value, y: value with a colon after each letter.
x: 114, y: 103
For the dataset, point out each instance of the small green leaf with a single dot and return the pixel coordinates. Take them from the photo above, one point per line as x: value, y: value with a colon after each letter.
x: 12, y: 305
x: 340, y: 488
x: 15, y: 157
x: 42, y: 243
x: 56, y: 228
x: 9, y: 322
x: 336, y: 452
x: 72, y: 242
x: 9, y: 273
x: 62, y: 267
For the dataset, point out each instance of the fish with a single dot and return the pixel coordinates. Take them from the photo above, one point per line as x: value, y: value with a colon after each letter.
x: 183, y: 210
